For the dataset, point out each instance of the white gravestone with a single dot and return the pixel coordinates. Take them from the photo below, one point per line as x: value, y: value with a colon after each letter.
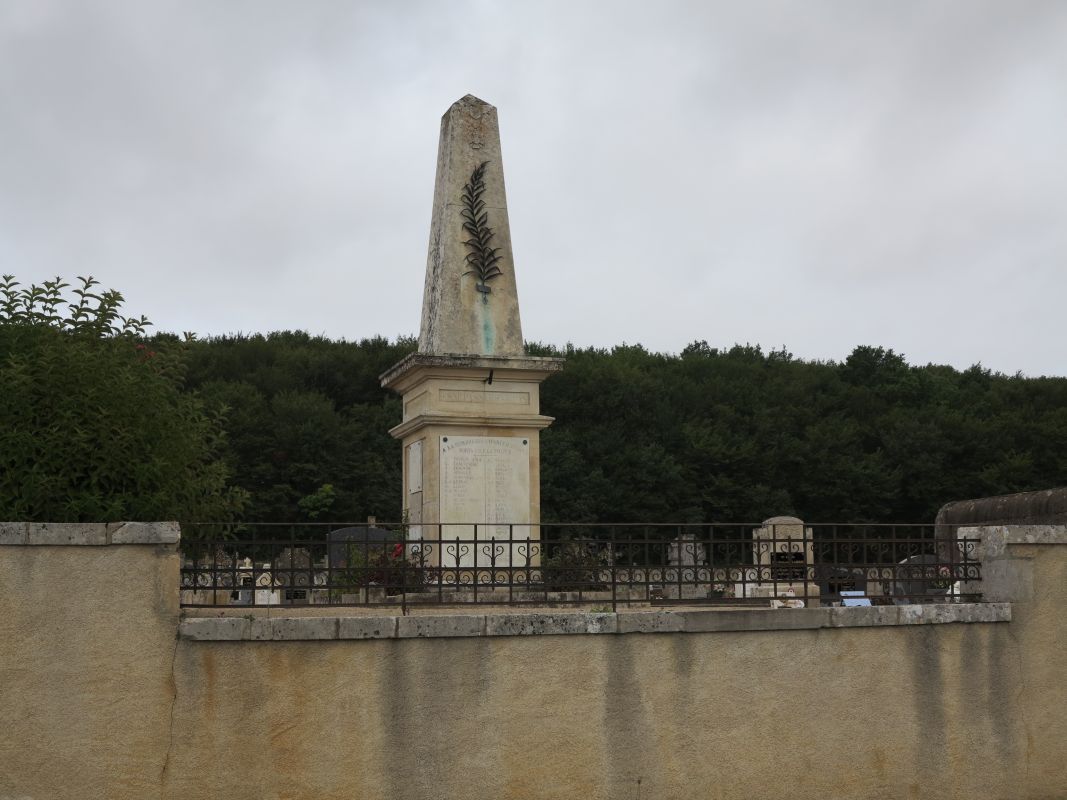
x: 485, y: 492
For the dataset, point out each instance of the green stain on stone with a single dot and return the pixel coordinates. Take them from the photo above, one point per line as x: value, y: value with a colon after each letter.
x: 488, y: 328
x: 487, y: 334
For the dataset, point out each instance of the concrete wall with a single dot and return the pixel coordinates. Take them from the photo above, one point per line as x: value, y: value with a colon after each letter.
x: 99, y: 699
x: 87, y: 639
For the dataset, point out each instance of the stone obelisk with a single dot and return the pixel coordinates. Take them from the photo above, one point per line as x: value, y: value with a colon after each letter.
x: 471, y: 423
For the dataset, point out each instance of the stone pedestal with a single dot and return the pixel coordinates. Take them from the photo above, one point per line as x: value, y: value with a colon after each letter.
x: 471, y: 435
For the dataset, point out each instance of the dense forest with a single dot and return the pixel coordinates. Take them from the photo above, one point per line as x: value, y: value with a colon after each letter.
x: 706, y: 435
x: 103, y: 421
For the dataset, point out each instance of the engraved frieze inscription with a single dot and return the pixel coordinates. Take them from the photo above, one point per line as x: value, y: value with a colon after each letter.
x: 460, y: 396
x: 499, y: 398
x: 508, y: 398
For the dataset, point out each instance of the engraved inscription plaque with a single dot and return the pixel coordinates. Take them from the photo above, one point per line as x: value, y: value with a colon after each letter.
x: 485, y: 485
x: 415, y: 467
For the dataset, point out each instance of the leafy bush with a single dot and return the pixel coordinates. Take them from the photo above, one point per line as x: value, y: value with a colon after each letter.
x: 96, y: 425
x: 379, y: 564
x: 576, y: 565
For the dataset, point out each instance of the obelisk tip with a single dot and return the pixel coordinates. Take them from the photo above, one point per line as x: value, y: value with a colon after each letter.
x: 470, y: 100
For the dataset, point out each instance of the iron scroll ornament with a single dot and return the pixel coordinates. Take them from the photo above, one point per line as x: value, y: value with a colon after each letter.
x: 482, y: 258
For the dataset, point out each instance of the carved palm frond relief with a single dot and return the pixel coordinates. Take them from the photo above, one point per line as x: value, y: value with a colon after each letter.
x: 482, y: 258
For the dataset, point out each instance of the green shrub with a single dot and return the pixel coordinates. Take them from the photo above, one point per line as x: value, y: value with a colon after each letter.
x: 576, y: 565
x: 95, y: 423
x: 382, y: 564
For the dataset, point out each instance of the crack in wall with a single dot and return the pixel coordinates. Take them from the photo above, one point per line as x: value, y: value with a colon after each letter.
x: 170, y: 724
x: 1021, y: 704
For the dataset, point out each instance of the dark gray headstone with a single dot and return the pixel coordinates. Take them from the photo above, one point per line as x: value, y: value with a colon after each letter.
x: 832, y: 580
x: 367, y: 540
x: 917, y: 576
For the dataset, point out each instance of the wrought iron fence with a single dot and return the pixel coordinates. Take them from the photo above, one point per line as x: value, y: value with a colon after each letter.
x: 376, y: 564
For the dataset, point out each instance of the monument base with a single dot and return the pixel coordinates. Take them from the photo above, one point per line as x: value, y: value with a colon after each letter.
x: 471, y: 441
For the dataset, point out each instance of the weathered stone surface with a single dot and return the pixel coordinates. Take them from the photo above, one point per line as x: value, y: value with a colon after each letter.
x: 1048, y: 507
x: 863, y: 616
x: 215, y: 629
x: 1007, y: 564
x: 538, y: 624
x: 440, y: 626
x: 367, y: 627
x: 1009, y: 580
x: 261, y: 629
x: 910, y: 615
x: 67, y: 533
x: 143, y: 532
x: 13, y: 532
x: 303, y: 628
x: 1036, y: 534
x: 649, y: 622
x: 987, y: 612
x: 754, y: 620
x: 461, y: 313
x: 443, y: 366
x: 994, y: 539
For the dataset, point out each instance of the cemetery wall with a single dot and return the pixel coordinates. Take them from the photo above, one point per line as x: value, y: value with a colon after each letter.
x: 100, y: 698
x: 87, y: 639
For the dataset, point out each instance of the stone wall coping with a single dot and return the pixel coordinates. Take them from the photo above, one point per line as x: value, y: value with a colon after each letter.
x: 1007, y: 567
x: 996, y: 538
x: 99, y: 534
x: 229, y: 629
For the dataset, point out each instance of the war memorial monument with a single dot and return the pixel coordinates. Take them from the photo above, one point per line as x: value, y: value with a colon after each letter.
x: 471, y: 410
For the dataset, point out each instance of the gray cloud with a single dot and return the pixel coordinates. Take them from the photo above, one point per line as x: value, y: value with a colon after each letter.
x: 818, y: 175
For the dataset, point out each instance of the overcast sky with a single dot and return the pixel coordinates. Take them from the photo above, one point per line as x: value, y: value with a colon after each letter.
x: 816, y: 175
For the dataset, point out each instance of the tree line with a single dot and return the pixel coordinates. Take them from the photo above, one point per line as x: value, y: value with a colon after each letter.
x: 737, y: 434
x: 102, y: 420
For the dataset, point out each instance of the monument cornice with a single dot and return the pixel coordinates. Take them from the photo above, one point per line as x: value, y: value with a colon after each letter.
x: 530, y: 421
x: 422, y: 366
